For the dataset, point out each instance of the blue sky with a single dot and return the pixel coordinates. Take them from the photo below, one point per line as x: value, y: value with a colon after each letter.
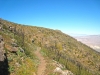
x: 69, y: 16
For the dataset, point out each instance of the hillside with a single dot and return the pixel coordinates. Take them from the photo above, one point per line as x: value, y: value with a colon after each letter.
x: 91, y: 40
x: 21, y: 42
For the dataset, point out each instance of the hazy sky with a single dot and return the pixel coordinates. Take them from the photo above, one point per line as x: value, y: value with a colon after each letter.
x: 69, y: 16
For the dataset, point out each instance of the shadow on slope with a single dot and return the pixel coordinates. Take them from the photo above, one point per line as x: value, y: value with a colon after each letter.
x: 4, y: 67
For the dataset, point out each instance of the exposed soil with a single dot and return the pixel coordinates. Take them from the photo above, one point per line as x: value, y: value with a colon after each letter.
x: 42, y: 65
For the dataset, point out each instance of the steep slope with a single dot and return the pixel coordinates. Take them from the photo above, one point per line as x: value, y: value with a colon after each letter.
x: 16, y: 59
x: 75, y: 56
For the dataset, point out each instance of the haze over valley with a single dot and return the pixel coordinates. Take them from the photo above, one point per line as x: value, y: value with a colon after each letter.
x: 92, y: 41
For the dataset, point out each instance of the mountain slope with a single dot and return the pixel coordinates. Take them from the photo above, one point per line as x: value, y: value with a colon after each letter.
x: 75, y: 56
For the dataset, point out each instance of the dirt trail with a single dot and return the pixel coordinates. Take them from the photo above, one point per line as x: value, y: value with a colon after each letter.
x: 42, y: 65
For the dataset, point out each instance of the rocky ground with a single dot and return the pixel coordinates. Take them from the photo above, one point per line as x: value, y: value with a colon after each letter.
x: 3, y: 59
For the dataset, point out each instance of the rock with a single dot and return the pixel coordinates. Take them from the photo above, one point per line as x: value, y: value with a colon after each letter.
x: 66, y: 72
x: 33, y: 41
x: 58, y: 70
x: 17, y: 64
x: 11, y: 49
x: 1, y: 49
x: 1, y: 38
x: 1, y: 55
x: 14, y: 45
x: 21, y: 50
x: 11, y: 28
x: 1, y: 27
x: 62, y: 72
x: 14, y: 50
x: 59, y: 65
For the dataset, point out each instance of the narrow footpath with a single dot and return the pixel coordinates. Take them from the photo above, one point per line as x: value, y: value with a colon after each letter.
x: 42, y: 65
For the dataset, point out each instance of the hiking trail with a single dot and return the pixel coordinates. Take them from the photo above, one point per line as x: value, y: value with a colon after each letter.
x: 42, y: 65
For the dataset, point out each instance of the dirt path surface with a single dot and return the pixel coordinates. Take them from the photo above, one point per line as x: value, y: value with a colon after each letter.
x: 42, y: 65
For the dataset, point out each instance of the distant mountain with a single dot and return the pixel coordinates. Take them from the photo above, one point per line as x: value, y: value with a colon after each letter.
x: 91, y: 40
x: 75, y: 35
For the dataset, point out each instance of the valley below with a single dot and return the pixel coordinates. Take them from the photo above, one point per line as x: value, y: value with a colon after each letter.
x: 92, y: 41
